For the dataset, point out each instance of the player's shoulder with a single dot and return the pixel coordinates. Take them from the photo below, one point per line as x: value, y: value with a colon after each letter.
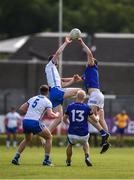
x: 16, y: 113
x: 71, y: 104
x: 126, y: 116
x: 42, y: 98
x: 8, y: 114
x: 50, y: 63
x: 31, y: 98
x: 47, y: 102
x: 46, y: 99
x: 86, y: 107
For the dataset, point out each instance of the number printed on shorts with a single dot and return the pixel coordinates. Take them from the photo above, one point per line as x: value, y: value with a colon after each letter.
x: 77, y: 115
x: 35, y: 103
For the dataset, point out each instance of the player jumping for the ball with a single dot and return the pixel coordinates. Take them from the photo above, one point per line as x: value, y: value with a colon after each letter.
x: 91, y: 82
x: 57, y: 84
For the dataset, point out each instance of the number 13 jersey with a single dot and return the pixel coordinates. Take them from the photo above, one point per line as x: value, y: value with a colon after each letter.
x: 78, y: 114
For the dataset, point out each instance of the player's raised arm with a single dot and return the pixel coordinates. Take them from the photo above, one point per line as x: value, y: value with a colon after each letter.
x: 61, y: 49
x: 76, y: 77
x: 90, y: 58
x: 69, y: 81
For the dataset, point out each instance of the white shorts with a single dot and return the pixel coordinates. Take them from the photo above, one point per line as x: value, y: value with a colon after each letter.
x: 96, y: 98
x: 74, y: 139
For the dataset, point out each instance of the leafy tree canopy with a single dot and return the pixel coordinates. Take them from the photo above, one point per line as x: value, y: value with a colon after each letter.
x: 21, y: 17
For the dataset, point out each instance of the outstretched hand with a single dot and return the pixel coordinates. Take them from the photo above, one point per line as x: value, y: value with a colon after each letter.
x: 76, y: 78
x: 68, y: 40
x: 80, y: 40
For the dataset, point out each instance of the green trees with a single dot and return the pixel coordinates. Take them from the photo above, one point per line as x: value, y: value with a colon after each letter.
x: 20, y: 17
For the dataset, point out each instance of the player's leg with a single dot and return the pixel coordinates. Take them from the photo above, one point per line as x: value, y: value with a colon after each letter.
x: 57, y: 96
x: 14, y: 140
x: 104, y: 142
x: 43, y: 141
x: 70, y: 92
x: 102, y: 119
x: 86, y: 151
x: 98, y: 126
x: 8, y: 139
x: 69, y: 154
x: 122, y: 136
x: 96, y: 103
x: 24, y: 142
x: 118, y: 137
x: 121, y: 140
x: 14, y: 137
x: 57, y: 121
x: 46, y: 134
x: 72, y: 140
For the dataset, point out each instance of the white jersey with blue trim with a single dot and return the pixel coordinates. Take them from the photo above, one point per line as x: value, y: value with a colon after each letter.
x: 53, y: 77
x: 12, y: 118
x: 37, y: 107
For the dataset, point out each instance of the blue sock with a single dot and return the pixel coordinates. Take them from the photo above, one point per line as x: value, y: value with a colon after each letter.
x: 17, y: 156
x: 103, y: 133
x: 86, y: 155
x: 46, y: 156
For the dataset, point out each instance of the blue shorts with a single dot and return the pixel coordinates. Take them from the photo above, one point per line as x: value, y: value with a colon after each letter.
x: 11, y: 130
x: 32, y: 126
x: 56, y: 96
x: 120, y: 130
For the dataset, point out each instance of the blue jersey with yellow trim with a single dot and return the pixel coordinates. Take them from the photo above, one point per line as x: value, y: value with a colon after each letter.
x: 78, y: 116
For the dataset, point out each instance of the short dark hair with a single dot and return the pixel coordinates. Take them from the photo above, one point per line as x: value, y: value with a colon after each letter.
x: 50, y: 57
x: 12, y: 108
x: 44, y: 89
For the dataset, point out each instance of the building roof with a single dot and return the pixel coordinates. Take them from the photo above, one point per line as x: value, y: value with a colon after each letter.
x: 12, y: 45
x: 42, y: 45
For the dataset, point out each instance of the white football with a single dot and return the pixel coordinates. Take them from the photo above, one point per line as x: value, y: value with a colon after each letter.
x: 75, y: 33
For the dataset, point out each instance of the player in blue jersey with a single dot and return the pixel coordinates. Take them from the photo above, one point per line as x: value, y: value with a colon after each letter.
x: 34, y: 109
x: 77, y: 116
x: 57, y: 85
x: 92, y: 85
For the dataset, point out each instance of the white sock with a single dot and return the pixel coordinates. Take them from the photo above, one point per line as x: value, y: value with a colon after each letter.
x: 8, y: 143
x: 14, y: 144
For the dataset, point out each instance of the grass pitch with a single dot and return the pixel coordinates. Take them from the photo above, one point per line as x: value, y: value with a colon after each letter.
x: 117, y: 163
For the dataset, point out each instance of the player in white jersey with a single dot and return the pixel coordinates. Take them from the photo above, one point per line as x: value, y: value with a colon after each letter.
x: 12, y: 120
x: 57, y: 84
x: 34, y: 110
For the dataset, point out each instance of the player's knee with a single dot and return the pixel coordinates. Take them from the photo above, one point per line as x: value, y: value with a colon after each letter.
x: 49, y: 137
x: 96, y: 120
x: 27, y: 140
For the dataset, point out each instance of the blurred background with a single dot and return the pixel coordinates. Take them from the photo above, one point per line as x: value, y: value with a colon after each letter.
x: 31, y: 30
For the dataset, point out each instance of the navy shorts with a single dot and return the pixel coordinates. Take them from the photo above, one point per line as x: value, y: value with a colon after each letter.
x: 11, y: 130
x: 32, y: 126
x: 56, y: 96
x: 120, y: 130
